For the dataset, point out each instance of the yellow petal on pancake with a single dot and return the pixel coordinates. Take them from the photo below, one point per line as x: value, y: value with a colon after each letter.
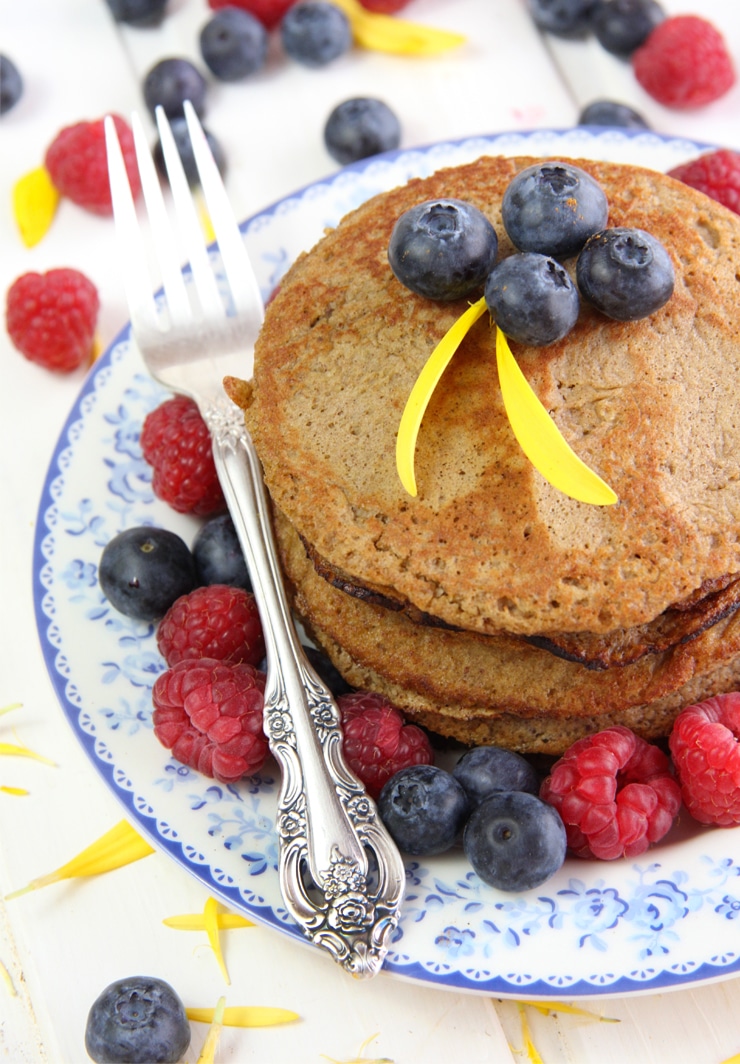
x: 540, y: 438
x: 384, y: 33
x: 421, y: 393
x: 35, y: 201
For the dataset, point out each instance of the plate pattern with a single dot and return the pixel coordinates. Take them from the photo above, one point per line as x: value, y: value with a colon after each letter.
x: 595, y: 928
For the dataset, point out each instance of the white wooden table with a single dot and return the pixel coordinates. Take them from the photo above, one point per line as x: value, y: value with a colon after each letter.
x: 62, y: 945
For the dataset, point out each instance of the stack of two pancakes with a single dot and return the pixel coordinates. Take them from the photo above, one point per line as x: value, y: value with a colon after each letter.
x: 491, y: 607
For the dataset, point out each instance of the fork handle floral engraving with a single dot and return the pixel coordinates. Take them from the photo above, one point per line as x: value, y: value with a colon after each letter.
x: 341, y: 875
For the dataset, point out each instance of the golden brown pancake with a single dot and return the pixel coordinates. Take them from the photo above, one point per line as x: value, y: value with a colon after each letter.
x: 487, y: 545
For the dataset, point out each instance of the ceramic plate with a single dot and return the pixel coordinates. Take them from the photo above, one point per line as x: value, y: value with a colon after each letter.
x: 663, y: 921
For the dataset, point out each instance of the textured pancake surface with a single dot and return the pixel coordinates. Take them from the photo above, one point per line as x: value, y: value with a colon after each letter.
x: 488, y: 545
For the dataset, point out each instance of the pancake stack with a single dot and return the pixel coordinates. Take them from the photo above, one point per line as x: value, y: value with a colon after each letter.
x: 491, y: 607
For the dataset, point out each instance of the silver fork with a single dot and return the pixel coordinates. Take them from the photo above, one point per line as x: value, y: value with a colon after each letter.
x: 341, y: 876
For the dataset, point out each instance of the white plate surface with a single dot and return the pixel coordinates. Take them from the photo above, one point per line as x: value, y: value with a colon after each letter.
x: 660, y: 922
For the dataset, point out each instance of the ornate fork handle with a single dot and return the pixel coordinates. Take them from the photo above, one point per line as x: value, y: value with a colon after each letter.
x: 341, y: 875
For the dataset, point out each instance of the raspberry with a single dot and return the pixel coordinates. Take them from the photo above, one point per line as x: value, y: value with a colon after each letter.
x: 706, y: 756
x: 51, y: 317
x: 684, y: 63
x: 176, y: 442
x: 377, y: 741
x: 269, y: 12
x: 716, y: 174
x: 78, y: 163
x: 209, y: 714
x: 615, y: 794
x: 217, y: 621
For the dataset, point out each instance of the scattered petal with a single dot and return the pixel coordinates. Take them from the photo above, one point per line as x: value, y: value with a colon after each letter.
x: 383, y: 33
x: 16, y: 750
x: 210, y: 917
x: 5, y: 978
x: 19, y: 792
x: 245, y: 1016
x: 117, y: 847
x: 529, y: 1046
x: 208, y: 1052
x: 423, y: 389
x: 35, y: 201
x: 361, y: 1058
x: 546, y: 1007
x: 226, y: 921
x: 12, y: 706
x: 540, y: 438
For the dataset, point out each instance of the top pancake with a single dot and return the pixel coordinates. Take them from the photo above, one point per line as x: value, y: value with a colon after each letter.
x: 488, y: 545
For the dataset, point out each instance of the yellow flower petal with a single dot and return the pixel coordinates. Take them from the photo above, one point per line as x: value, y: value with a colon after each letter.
x: 529, y: 1047
x: 546, y: 1007
x: 361, y: 1058
x: 226, y: 921
x: 35, y: 201
x: 117, y: 847
x: 19, y: 792
x: 208, y: 1052
x: 383, y: 33
x: 210, y: 918
x: 16, y: 750
x: 12, y: 706
x: 540, y: 438
x: 245, y: 1016
x: 5, y: 978
x: 421, y: 393
x: 735, y: 1059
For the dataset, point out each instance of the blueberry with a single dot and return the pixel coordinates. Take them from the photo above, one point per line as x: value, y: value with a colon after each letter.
x: 553, y: 208
x: 442, y: 249
x: 11, y: 84
x: 218, y: 554
x: 625, y: 273
x: 172, y: 81
x: 565, y: 18
x: 314, y: 33
x: 139, y: 1020
x: 611, y: 113
x: 532, y: 299
x: 361, y: 127
x: 138, y: 12
x: 486, y: 769
x: 424, y: 808
x: 514, y: 840
x: 621, y: 26
x: 184, y: 145
x: 233, y: 44
x: 143, y: 570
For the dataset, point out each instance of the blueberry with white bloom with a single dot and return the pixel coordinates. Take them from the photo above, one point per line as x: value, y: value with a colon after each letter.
x: 233, y: 44
x: 359, y: 128
x: 611, y: 113
x: 424, y: 808
x: 532, y: 299
x: 314, y: 33
x: 621, y: 26
x: 442, y: 249
x: 564, y: 18
x: 140, y: 1020
x: 485, y: 769
x: 514, y: 840
x: 553, y: 208
x: 625, y: 273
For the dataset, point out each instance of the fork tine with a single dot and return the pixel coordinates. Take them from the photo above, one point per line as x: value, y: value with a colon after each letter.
x: 136, y: 282
x: 192, y: 234
x: 242, y: 281
x: 178, y: 303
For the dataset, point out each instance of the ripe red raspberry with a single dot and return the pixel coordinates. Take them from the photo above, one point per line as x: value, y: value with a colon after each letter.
x: 209, y: 714
x: 176, y: 442
x: 615, y: 794
x: 716, y: 174
x: 684, y: 63
x: 78, y: 164
x: 216, y: 621
x: 51, y: 317
x: 377, y: 741
x: 269, y: 12
x: 706, y: 756
x: 384, y: 7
